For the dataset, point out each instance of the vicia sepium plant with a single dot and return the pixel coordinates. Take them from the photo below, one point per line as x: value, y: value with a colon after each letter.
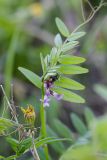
x: 56, y: 67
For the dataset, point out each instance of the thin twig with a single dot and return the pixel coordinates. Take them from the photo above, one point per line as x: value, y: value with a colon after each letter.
x: 88, y: 20
x: 6, y: 98
x: 5, y: 107
x: 90, y: 14
x: 33, y: 149
x: 90, y: 5
x: 8, y: 134
x: 82, y: 9
x: 12, y: 102
x: 105, y: 4
x: 9, y: 104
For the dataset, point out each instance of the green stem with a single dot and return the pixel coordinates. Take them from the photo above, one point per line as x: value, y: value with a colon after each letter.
x: 43, y: 123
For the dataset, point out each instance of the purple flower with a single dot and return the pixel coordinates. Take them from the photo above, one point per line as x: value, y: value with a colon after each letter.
x: 46, y: 101
x: 48, y: 93
x: 57, y: 96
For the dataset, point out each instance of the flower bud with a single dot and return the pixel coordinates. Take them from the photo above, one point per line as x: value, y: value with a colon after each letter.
x: 29, y: 114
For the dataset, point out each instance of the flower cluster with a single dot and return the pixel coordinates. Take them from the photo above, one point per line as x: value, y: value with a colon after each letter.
x: 48, y: 85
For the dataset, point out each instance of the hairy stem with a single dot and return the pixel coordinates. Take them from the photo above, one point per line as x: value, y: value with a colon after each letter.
x: 43, y: 123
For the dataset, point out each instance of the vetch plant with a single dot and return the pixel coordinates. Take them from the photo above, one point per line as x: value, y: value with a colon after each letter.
x: 56, y: 67
x: 54, y: 82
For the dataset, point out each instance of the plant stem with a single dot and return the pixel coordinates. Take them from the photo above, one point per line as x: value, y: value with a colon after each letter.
x: 43, y: 122
x: 34, y: 151
x: 35, y: 154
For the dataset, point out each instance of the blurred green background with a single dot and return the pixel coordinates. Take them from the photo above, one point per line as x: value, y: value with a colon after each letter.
x: 27, y: 27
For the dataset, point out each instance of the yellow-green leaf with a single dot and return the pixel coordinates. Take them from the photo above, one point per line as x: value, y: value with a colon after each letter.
x: 78, y: 124
x: 68, y: 95
x: 75, y: 36
x: 72, y: 69
x: 69, y: 83
x: 58, y: 40
x: 62, y: 27
x: 32, y: 77
x: 68, y: 46
x: 67, y: 59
